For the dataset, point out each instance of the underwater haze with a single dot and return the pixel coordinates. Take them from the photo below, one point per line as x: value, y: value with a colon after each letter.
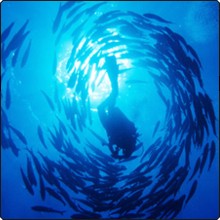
x: 56, y: 73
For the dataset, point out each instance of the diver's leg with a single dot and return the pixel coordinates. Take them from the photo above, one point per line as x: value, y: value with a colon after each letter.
x: 112, y: 71
x: 113, y: 77
x: 102, y: 113
x: 109, y: 102
x: 114, y: 93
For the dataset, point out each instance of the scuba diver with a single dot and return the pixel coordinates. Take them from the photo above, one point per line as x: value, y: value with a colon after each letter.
x: 121, y: 132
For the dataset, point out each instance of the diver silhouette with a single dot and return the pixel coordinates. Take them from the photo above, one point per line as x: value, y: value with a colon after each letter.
x: 121, y: 132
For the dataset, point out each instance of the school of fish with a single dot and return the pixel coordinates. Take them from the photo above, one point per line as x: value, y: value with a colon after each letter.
x: 93, y: 184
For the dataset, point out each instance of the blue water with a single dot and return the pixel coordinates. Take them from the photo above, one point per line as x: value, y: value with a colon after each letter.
x: 197, y: 22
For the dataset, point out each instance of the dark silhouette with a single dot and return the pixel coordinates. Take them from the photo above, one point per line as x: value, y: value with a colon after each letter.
x: 121, y: 132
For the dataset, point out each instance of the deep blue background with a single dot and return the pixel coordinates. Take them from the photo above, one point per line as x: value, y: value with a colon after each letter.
x: 197, y: 22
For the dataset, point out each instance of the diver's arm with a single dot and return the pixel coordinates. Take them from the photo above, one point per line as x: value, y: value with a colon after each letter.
x: 113, y: 151
x: 117, y: 156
